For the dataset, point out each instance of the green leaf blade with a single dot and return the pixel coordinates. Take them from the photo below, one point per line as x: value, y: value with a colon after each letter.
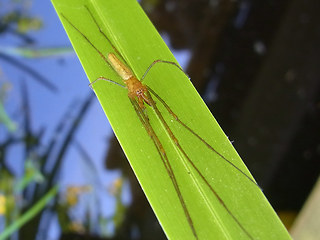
x: 140, y: 45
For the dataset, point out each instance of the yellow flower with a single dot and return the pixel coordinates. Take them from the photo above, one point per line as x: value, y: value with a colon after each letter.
x: 2, y: 204
x: 116, y: 186
x: 76, y: 227
x: 73, y: 194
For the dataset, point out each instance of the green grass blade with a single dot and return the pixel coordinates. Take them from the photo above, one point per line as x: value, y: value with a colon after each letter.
x: 27, y: 216
x: 136, y: 39
x: 5, y: 119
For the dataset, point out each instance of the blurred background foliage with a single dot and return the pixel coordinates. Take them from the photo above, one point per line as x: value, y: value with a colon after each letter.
x: 254, y: 62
